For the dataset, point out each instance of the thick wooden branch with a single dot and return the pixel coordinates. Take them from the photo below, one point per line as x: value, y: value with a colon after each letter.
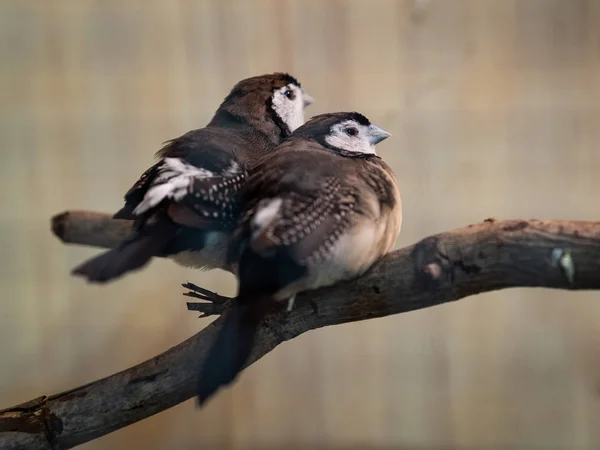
x: 442, y: 268
x: 90, y: 228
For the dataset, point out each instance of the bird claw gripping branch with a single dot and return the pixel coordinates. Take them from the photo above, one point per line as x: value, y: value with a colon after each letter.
x: 213, y: 304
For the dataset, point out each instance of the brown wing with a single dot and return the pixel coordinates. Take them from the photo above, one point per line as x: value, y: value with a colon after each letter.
x: 195, y: 182
x: 297, y: 202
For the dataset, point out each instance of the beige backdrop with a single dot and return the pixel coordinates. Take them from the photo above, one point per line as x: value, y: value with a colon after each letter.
x: 494, y: 106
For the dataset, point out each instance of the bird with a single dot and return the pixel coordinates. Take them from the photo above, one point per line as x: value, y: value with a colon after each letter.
x: 322, y: 209
x: 185, y: 206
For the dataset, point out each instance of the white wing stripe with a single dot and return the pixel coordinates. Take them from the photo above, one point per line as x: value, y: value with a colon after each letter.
x: 173, y: 180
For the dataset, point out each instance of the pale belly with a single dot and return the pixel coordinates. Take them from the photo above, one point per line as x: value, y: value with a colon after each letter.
x: 352, y: 255
x: 212, y: 256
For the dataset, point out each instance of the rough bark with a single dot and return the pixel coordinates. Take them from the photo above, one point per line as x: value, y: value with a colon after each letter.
x: 442, y: 268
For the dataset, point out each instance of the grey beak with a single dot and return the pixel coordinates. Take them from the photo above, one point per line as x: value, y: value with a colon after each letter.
x: 376, y: 134
x: 308, y: 100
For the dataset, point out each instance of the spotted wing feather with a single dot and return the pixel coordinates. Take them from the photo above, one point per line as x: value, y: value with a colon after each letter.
x: 306, y: 224
x: 215, y: 199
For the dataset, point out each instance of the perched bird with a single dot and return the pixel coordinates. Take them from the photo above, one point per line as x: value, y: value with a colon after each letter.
x: 323, y: 208
x: 186, y: 205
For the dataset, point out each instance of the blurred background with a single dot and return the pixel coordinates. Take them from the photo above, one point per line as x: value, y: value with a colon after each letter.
x: 494, y: 107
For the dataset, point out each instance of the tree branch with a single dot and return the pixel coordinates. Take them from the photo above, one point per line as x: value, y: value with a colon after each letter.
x: 90, y: 228
x: 445, y: 267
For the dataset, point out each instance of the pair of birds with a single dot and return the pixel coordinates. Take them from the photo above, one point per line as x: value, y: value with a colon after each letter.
x: 284, y: 205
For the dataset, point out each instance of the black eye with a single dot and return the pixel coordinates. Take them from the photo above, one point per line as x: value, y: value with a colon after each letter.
x: 289, y: 94
x: 351, y: 131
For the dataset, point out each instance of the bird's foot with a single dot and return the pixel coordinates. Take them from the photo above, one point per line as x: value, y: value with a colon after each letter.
x: 213, y: 304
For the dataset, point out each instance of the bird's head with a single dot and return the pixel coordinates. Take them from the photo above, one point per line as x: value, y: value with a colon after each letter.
x: 348, y: 133
x: 277, y: 98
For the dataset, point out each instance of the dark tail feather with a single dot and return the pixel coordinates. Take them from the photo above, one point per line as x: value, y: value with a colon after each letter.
x: 231, y: 349
x: 126, y: 212
x: 132, y: 254
x: 259, y: 278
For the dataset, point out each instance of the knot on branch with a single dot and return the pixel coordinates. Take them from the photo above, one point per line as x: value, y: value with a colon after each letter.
x: 431, y: 262
x: 433, y: 270
x: 435, y: 263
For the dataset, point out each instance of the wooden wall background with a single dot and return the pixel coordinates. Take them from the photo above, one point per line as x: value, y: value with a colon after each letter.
x: 494, y: 106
